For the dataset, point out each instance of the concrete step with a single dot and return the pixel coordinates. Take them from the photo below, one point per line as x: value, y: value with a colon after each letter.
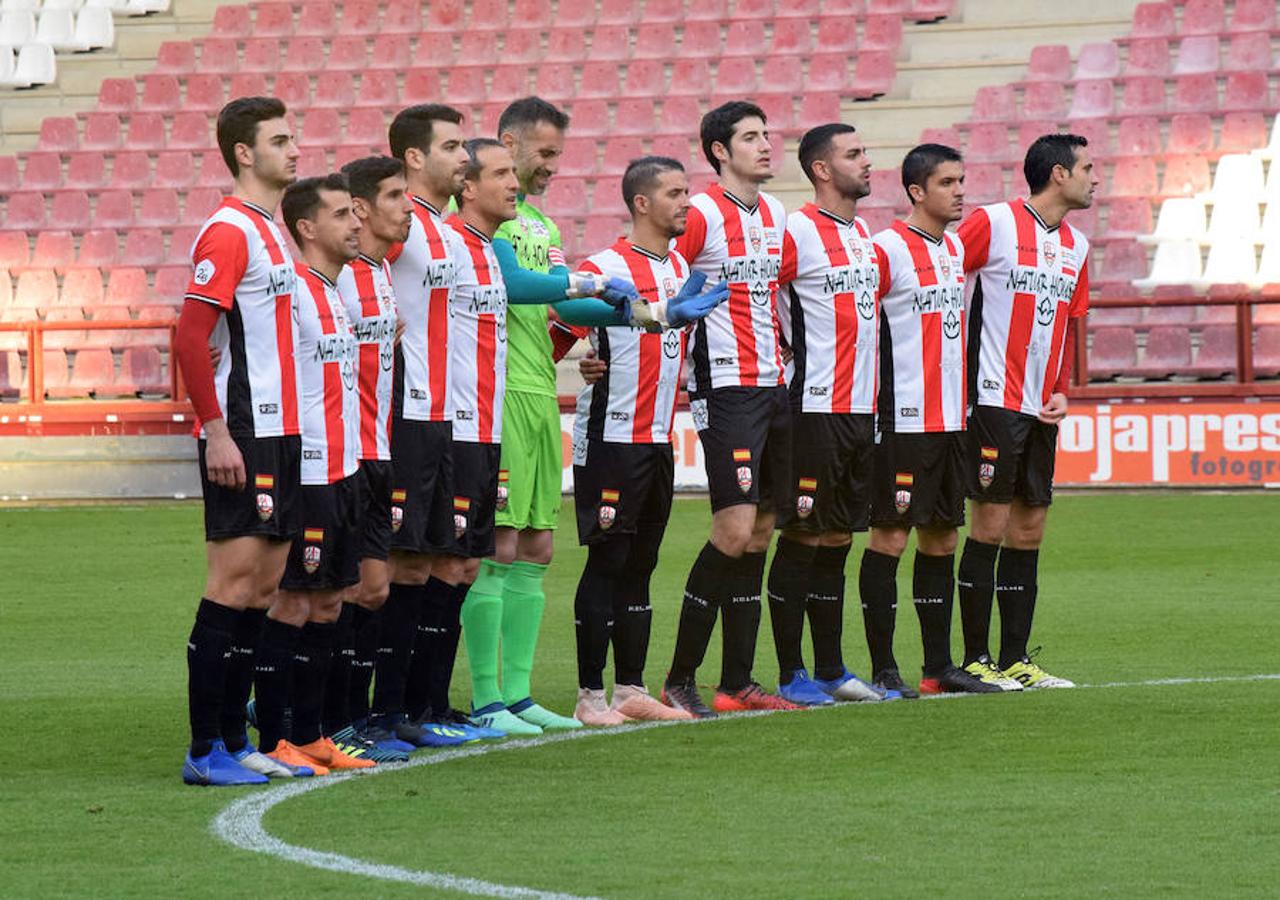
x: 70, y: 468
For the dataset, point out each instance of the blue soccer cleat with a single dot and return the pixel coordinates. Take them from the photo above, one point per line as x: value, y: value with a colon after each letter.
x: 804, y: 691
x: 456, y: 718
x: 217, y: 768
x: 419, y: 736
x: 850, y: 687
x: 382, y: 738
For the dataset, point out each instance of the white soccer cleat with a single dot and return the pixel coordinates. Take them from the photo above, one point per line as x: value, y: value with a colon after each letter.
x: 635, y: 702
x: 1032, y: 677
x: 593, y: 709
x: 265, y: 765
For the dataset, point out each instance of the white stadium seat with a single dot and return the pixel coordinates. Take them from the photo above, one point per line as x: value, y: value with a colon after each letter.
x: 7, y: 65
x: 1238, y: 174
x: 1269, y: 267
x: 17, y: 27
x: 95, y: 28
x: 1176, y: 262
x: 73, y: 5
x: 1231, y: 261
x: 57, y: 28
x: 1180, y: 218
x: 1233, y: 217
x: 36, y: 65
x: 16, y: 5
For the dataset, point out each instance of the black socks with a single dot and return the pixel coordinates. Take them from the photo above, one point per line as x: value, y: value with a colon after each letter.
x: 741, y: 620
x: 1016, y: 592
x: 878, y: 590
x: 239, y: 682
x: 365, y: 626
x: 703, y: 594
x: 933, y: 587
x: 395, y: 647
x: 789, y: 577
x: 825, y: 605
x: 977, y: 584
x: 337, y: 688
x: 207, y: 649
x: 310, y: 670
x: 272, y: 665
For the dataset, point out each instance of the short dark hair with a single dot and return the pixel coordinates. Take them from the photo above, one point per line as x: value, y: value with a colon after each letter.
x: 365, y: 174
x: 412, y: 126
x: 816, y: 144
x: 1047, y: 151
x: 921, y: 160
x: 529, y: 111
x: 238, y: 124
x: 718, y: 124
x: 302, y: 199
x: 642, y: 176
x: 474, y: 146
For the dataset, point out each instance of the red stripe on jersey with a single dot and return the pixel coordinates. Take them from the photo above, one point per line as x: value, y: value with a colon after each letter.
x: 1060, y: 320
x: 437, y: 318
x: 284, y: 325
x: 739, y: 292
x: 681, y: 268
x: 369, y: 364
x: 650, y: 348
x: 845, y: 309
x: 766, y: 219
x: 931, y: 360
x: 334, y: 434
x: 486, y: 346
x: 919, y: 251
x: 1022, y: 317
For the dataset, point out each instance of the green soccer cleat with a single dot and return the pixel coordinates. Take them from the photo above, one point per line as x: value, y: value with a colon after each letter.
x: 545, y: 719
x: 1032, y: 677
x: 497, y: 716
x: 985, y: 670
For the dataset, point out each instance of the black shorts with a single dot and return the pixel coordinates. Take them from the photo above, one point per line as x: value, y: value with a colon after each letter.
x: 621, y: 486
x: 918, y: 480
x: 746, y: 444
x: 421, y: 486
x: 269, y: 506
x: 475, y: 498
x: 831, y: 470
x: 1010, y: 454
x: 375, y: 518
x: 325, y: 556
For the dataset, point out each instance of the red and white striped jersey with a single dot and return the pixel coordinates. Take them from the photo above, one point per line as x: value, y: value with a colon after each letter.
x: 422, y: 276
x: 737, y: 344
x: 635, y: 402
x: 1030, y: 280
x: 830, y: 312
x: 365, y: 287
x: 330, y: 393
x: 242, y: 265
x: 922, y: 331
x: 478, y: 342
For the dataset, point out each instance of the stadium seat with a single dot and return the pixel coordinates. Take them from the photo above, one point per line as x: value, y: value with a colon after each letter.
x: 146, y: 131
x: 618, y: 152
x: 1143, y: 96
x: 36, y: 289
x: 92, y: 370
x: 116, y: 95
x: 213, y: 171
x: 701, y: 38
x: 174, y: 169
x: 1154, y: 20
x: 204, y: 91
x: 984, y: 183
x: 25, y: 211
x: 348, y: 52
x: 1128, y: 217
x: 836, y: 34
x: 176, y: 58
x: 219, y: 54
x: 159, y: 208
x: 43, y: 172
x: 1112, y: 351
x: 815, y: 109
x: 1196, y: 54
x: 784, y: 74
x: 132, y: 170
x: 142, y: 372
x: 1230, y: 261
x: 634, y: 116
x: 1253, y: 15
x: 662, y: 10
x: 590, y: 117
x: 1190, y: 133
x: 303, y: 54
x: 55, y: 249
x: 1238, y: 174
x: 873, y: 74
x: 57, y: 27
x: 1139, y: 136
x: 82, y: 286
x: 232, y: 21
x: 127, y: 286
x: 735, y: 77
x: 190, y: 131
x: 114, y: 210
x: 145, y: 246
x: 1175, y: 262
x: 1195, y: 93
x: 260, y: 55
x: 1249, y: 52
x: 1092, y: 99
x: 951, y: 137
x: 273, y: 20
x: 35, y: 66
x: 993, y: 103
x: 1181, y: 218
x: 689, y: 77
x: 744, y: 38
x: 317, y: 18
x: 1125, y: 261
x: 403, y: 17
x: 1217, y: 354
x: 600, y: 79
x: 791, y: 37
x: 1167, y: 352
x: 1148, y: 56
x: 160, y: 93
x: 606, y: 197
x: 12, y: 384
x: 1049, y: 62
x: 102, y: 131
x: 1098, y: 60
x: 567, y: 196
x: 1133, y: 176
x: 1184, y: 175
x: 554, y: 81
x: 10, y: 179
x: 1234, y: 217
x: 680, y: 115
x: 1266, y: 350
x: 753, y: 9
x: 378, y: 87
x: 523, y: 45
x: 71, y: 210
x: 248, y: 84
x: 170, y: 286
x: 1242, y: 132
x: 393, y: 51
x: 366, y: 125
x: 644, y: 78
x: 489, y: 15
x: 827, y: 72
x: 466, y: 84
x: 714, y: 10
x: 99, y: 247
x: 55, y: 373
x: 59, y: 134
x: 320, y: 128
x: 335, y: 88
x: 1247, y: 91
x: 1203, y: 17
x: 881, y: 32
x: 677, y: 147
x: 15, y: 251
x: 610, y: 43
x: 569, y: 44
x: 421, y: 86
x: 579, y: 156
x: 1044, y: 100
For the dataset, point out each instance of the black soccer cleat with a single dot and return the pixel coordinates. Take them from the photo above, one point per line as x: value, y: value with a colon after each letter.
x: 889, y: 681
x: 954, y: 680
x: 684, y: 695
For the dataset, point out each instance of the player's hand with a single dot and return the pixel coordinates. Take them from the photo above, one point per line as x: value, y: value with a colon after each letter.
x: 399, y: 331
x: 222, y: 459
x: 692, y: 303
x: 787, y: 354
x: 215, y: 357
x: 590, y: 368
x: 1055, y: 410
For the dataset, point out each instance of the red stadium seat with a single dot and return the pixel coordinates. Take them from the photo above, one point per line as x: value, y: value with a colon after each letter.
x: 99, y: 247
x: 273, y: 20
x: 701, y: 38
x: 213, y: 171
x: 569, y: 44
x: 654, y: 40
x: 161, y: 93
x: 304, y: 54
x: 11, y: 381
x: 248, y: 84
x: 599, y: 79
x: 1203, y: 17
x: 170, y: 286
x: 81, y: 287
x: 744, y: 38
x: 71, y: 210
x: 116, y: 95
x: 1044, y: 100
x: 218, y: 54
x: 674, y: 146
x: 55, y: 373
x: 523, y: 44
x: 618, y: 152
x: 1124, y: 261
x: 1091, y: 99
x: 1049, y: 62
x: 837, y: 33
x: 260, y: 55
x: 102, y: 130
x: 1096, y: 131
x: 15, y: 251
x: 1198, y: 53
x: 25, y: 211
x: 378, y: 87
x: 141, y: 372
x: 783, y: 74
x: 176, y: 57
x: 951, y: 137
x: 1143, y: 96
x: 466, y: 84
x: 43, y: 172
x: 146, y: 132
x: 1242, y: 132
x: 232, y: 21
x: 93, y: 370
x: 714, y: 10
x: 1249, y: 52
x: 983, y: 183
x: 320, y: 128
x: 662, y: 10
x: 403, y: 17
x: 348, y: 51
x: 1129, y: 217
x: 1139, y: 136
x: 1154, y: 20
x: 1190, y: 133
x: 736, y: 76
x: 582, y: 13
x: 421, y: 86
x: 567, y: 196
x: 294, y: 88
x: 897, y: 7
x: 804, y: 9
x: 1217, y: 355
x: 132, y: 170
x: 1148, y: 56
x: 127, y: 286
x: 366, y: 125
x: 317, y: 18
x: 10, y: 180
x: 1253, y: 15
x: 555, y: 81
x: 114, y: 210
x: 174, y: 169
x: 205, y: 92
x: 578, y: 157
x: 393, y: 51
x: 680, y: 115
x: 159, y: 208
x: 606, y: 197
x: 1168, y: 352
x: 645, y: 78
x: 988, y: 142
x: 1185, y: 176
x: 1098, y: 60
x: 619, y: 12
x: 60, y: 134
x: 1134, y: 176
x: 200, y: 203
x: 36, y: 289
x: 828, y: 72
x: 611, y: 43
x: 753, y: 9
x: 54, y: 249
x: 815, y: 109
x: 791, y: 37
x: 634, y: 116
x: 190, y: 131
x: 1247, y: 91
x: 1113, y: 351
x: 1266, y: 350
x: 1195, y: 93
x: 689, y: 77
x: 335, y: 89
x: 145, y: 246
x: 532, y: 11
x: 873, y: 74
x: 359, y: 17
x: 882, y: 33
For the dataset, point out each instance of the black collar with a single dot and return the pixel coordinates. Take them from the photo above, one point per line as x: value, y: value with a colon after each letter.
x: 1035, y: 215
x: 427, y: 203
x: 322, y: 277
x: 649, y: 254
x: 937, y: 241
x: 739, y: 203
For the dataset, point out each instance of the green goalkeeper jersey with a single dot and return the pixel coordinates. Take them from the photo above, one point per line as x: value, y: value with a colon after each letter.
x: 536, y: 241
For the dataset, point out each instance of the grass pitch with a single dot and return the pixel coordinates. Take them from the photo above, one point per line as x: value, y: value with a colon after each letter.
x: 1125, y: 791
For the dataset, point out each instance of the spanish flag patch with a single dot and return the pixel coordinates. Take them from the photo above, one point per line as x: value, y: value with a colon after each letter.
x: 313, y: 535
x: 905, y: 479
x: 990, y: 453
x: 608, y: 496
x: 461, y: 504
x: 399, y: 495
x: 742, y: 456
x: 503, y: 476
x: 264, y: 482
x: 808, y: 484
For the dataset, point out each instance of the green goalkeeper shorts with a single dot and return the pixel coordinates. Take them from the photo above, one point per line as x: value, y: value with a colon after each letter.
x: 532, y: 462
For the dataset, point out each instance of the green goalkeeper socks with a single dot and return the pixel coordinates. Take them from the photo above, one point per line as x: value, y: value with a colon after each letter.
x: 522, y: 605
x: 482, y: 628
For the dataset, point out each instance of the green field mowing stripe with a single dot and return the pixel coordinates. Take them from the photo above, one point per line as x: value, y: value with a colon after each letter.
x: 97, y: 604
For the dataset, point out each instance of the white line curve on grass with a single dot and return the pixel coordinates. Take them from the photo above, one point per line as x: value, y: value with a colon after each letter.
x: 240, y: 823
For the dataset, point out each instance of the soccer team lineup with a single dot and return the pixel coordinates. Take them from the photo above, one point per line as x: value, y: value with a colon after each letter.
x: 381, y: 466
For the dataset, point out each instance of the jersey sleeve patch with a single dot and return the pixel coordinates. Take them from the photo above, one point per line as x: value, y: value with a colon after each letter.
x: 220, y: 258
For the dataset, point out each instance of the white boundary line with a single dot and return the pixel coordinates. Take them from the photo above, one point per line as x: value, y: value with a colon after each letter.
x: 240, y: 824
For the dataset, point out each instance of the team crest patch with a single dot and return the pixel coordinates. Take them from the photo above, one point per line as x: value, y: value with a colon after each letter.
x: 608, y: 508
x: 754, y: 234
x: 668, y: 288
x: 503, y: 493
x: 1050, y: 253
x: 902, y: 497
x: 944, y: 265
x: 266, y: 503
x: 855, y: 249
x: 804, y: 500
x: 987, y: 468
x: 311, y: 552
x: 398, y: 497
x: 461, y: 506
x: 743, y: 460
